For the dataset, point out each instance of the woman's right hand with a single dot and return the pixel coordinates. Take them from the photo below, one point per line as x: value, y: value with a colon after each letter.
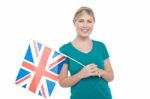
x: 89, y: 70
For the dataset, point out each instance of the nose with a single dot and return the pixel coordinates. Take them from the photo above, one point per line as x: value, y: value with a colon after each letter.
x: 85, y: 24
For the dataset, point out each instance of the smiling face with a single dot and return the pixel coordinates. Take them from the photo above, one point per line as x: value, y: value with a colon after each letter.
x: 84, y: 25
x: 84, y: 20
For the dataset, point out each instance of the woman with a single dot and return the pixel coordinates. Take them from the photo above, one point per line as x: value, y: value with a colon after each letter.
x: 90, y: 81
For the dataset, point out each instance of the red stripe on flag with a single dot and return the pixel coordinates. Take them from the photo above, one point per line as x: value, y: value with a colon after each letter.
x: 28, y: 66
x: 23, y: 79
x: 57, y: 61
x: 40, y: 70
x: 43, y: 92
x: 52, y: 76
x: 35, y: 48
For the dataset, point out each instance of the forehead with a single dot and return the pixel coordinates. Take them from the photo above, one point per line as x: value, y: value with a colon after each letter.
x: 85, y: 16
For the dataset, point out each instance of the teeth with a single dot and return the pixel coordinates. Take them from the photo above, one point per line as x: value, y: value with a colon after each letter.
x: 84, y: 30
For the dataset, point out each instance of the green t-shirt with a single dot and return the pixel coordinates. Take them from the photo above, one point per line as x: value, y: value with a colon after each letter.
x: 91, y: 87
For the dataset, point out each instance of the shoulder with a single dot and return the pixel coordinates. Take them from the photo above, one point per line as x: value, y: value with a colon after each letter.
x: 64, y: 47
x: 101, y: 47
x: 98, y: 43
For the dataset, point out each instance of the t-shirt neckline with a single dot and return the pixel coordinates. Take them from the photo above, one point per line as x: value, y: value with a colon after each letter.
x: 82, y: 51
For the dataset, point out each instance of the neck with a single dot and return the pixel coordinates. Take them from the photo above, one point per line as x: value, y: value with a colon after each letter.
x: 82, y: 39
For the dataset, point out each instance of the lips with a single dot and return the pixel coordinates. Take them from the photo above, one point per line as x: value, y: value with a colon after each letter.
x: 85, y: 30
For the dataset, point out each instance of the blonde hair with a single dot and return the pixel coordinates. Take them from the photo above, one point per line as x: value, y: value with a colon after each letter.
x: 82, y: 10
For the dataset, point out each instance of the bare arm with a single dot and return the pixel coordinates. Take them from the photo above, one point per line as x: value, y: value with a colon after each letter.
x: 107, y: 73
x: 66, y: 81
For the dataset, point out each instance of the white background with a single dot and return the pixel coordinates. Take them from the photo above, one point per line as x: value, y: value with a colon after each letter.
x: 123, y: 25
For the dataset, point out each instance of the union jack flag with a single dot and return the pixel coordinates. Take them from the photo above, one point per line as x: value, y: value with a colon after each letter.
x: 40, y: 69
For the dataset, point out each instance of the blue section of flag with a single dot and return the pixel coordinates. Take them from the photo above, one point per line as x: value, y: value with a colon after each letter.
x: 57, y: 68
x: 22, y: 73
x: 28, y: 55
x: 55, y: 54
x: 40, y: 93
x: 39, y: 46
x: 24, y: 86
x: 50, y: 86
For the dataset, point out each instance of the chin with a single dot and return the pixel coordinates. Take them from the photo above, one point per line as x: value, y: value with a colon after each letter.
x: 85, y: 36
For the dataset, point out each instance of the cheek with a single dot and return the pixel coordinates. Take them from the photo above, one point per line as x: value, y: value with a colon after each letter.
x: 77, y: 29
x: 91, y: 25
x: 77, y: 26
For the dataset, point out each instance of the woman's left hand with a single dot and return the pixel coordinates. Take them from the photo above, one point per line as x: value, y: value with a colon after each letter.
x: 99, y: 71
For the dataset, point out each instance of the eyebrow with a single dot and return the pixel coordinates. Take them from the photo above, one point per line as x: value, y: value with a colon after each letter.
x: 83, y: 19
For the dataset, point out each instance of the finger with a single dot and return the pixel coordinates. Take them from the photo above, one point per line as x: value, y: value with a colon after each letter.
x: 94, y: 74
x: 91, y: 67
x: 93, y: 64
x: 95, y: 70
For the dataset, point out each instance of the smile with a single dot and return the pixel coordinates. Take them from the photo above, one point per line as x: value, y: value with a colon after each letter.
x: 84, y: 30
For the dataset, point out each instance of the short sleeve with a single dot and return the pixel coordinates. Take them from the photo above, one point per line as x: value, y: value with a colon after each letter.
x: 63, y: 50
x: 105, y: 53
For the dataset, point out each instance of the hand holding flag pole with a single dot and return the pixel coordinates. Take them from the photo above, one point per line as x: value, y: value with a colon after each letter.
x: 75, y: 61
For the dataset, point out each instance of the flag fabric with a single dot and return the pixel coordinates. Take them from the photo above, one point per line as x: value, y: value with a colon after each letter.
x: 40, y: 69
